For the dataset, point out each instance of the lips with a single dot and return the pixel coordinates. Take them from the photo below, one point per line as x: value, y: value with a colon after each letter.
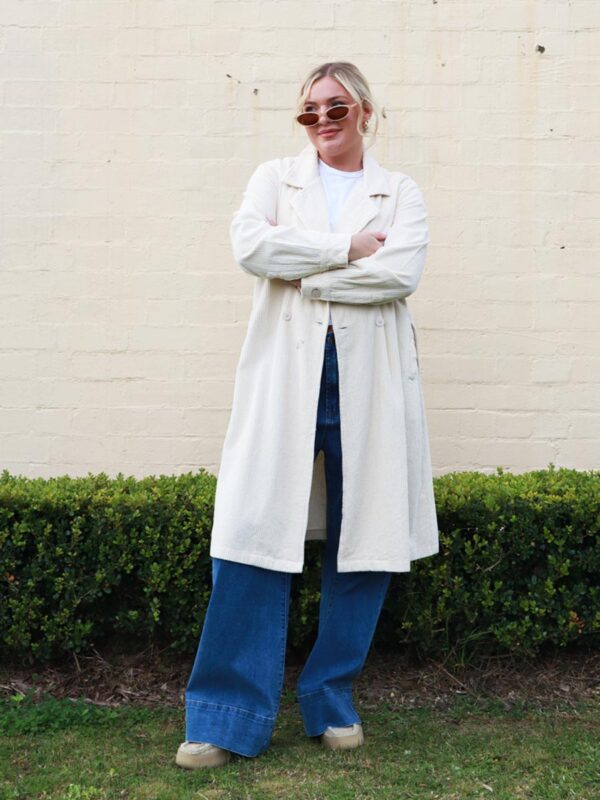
x: 328, y: 131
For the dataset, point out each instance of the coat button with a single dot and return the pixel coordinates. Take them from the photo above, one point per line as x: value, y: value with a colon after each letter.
x: 315, y: 293
x: 379, y: 321
x: 287, y: 315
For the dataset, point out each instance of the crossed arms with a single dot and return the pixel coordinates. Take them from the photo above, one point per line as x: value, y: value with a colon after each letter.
x: 319, y: 259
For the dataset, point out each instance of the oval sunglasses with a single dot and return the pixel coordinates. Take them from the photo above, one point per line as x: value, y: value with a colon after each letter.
x: 334, y: 113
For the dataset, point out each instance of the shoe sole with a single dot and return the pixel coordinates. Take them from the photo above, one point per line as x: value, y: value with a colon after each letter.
x: 214, y: 758
x: 343, y: 742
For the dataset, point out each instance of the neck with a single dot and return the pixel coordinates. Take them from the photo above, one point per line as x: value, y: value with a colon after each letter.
x: 348, y: 162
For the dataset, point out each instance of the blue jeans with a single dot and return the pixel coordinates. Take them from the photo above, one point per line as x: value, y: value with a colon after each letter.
x: 233, y: 694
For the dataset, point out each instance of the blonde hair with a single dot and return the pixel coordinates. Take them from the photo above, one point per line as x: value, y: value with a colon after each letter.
x: 355, y: 83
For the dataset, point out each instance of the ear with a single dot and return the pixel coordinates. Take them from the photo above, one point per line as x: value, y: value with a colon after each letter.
x: 367, y: 110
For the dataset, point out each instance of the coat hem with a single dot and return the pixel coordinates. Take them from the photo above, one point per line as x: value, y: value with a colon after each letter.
x: 343, y: 565
x: 426, y: 553
x: 374, y: 565
x: 255, y: 560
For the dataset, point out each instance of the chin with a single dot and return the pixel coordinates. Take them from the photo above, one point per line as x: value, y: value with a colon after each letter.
x: 330, y: 146
x: 334, y: 144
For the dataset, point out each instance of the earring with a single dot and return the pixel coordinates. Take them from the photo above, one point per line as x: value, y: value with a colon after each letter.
x: 365, y: 125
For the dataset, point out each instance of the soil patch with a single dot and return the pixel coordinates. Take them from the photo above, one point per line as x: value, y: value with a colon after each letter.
x: 156, y: 678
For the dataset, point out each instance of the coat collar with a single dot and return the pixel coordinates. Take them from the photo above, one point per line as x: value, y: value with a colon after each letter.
x: 310, y: 202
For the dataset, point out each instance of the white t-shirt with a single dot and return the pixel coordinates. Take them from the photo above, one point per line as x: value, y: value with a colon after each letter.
x: 337, y: 184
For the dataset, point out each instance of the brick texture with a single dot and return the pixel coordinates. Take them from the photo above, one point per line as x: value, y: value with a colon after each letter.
x: 128, y: 132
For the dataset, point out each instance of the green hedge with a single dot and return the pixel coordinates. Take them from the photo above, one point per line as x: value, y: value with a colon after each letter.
x: 83, y: 560
x: 518, y: 569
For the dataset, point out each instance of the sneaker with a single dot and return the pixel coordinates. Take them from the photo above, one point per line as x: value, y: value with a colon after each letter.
x: 343, y: 738
x: 193, y: 755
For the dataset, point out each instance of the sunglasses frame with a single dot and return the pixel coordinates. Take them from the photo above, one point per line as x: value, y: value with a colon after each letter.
x: 338, y: 105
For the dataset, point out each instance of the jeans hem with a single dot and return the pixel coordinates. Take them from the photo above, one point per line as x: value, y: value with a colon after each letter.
x: 231, y: 728
x: 330, y: 707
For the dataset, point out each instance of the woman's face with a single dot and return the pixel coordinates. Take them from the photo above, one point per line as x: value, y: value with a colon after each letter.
x: 333, y: 138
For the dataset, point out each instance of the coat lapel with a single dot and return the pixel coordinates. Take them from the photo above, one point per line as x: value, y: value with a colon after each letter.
x: 310, y: 203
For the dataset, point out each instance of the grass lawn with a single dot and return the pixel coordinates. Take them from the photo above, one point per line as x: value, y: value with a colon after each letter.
x: 472, y: 749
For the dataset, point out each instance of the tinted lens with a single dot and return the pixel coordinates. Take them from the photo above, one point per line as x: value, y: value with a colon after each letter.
x: 338, y: 112
x: 308, y: 118
x: 334, y: 113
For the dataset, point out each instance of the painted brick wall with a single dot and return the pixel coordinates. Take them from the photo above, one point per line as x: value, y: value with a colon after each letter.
x: 128, y: 131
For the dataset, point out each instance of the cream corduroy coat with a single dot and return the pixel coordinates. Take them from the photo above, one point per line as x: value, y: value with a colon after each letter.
x: 271, y: 494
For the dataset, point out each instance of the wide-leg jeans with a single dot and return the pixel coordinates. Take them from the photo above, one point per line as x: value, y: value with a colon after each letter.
x: 233, y: 694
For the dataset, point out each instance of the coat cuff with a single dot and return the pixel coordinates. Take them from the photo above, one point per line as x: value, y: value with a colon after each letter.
x: 315, y: 287
x: 335, y: 253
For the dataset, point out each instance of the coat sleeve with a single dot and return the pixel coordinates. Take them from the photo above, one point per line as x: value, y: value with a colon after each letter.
x: 393, y: 271
x: 279, y: 251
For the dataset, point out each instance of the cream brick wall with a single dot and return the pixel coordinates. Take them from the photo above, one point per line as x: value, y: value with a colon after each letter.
x: 129, y: 129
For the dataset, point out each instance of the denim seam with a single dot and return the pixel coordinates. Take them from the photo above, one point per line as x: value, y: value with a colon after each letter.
x: 235, y: 709
x: 333, y: 396
x: 326, y: 403
x: 325, y: 689
x: 333, y: 578
x: 332, y: 595
x: 284, y: 609
x: 328, y: 609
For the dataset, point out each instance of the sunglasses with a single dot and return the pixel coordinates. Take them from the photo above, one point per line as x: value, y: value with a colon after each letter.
x: 335, y: 113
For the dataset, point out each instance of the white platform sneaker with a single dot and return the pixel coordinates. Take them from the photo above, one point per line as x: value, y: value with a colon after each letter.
x: 343, y: 738
x: 194, y: 755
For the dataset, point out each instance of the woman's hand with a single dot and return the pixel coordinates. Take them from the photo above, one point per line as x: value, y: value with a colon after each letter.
x: 365, y: 243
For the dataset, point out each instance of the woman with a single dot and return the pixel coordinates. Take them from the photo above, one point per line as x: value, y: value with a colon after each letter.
x: 329, y: 365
